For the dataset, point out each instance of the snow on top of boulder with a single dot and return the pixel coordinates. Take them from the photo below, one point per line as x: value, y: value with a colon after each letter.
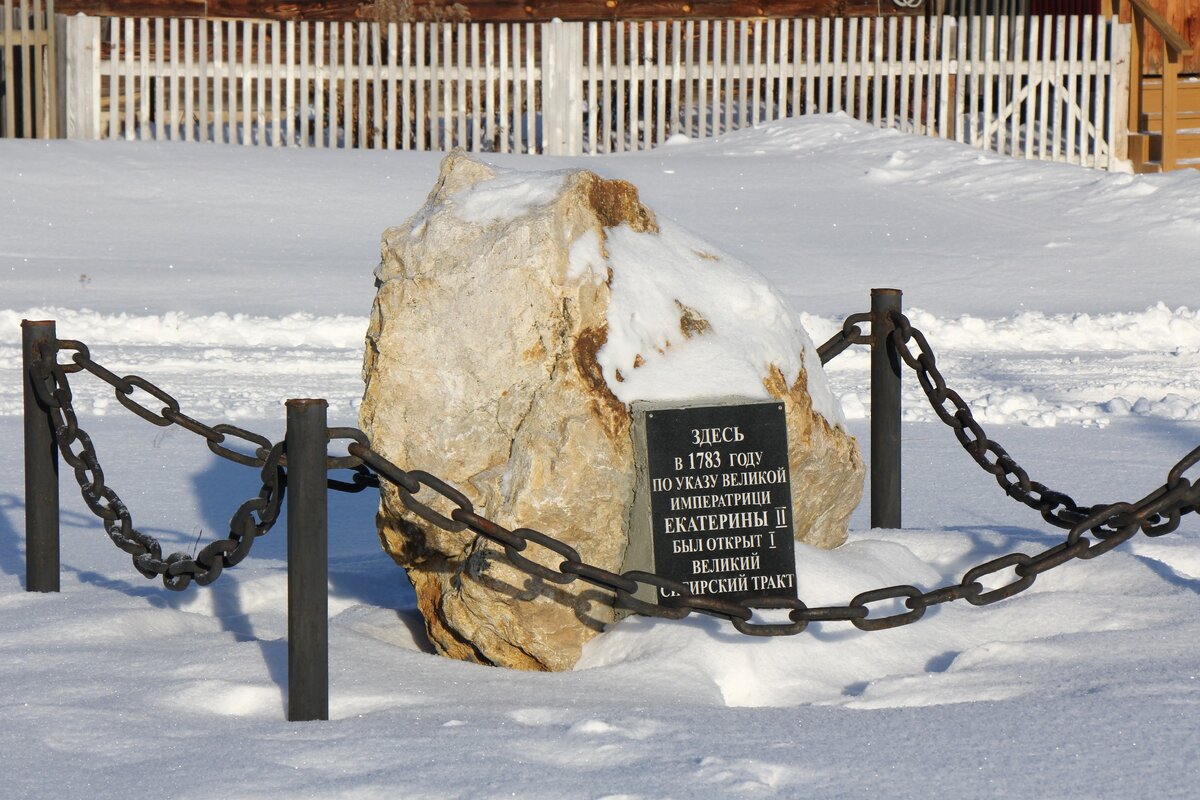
x: 689, y: 322
x: 510, y: 194
x: 685, y: 322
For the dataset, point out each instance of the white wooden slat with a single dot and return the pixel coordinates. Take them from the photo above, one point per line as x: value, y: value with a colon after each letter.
x: 851, y: 68
x: 421, y: 118
x: 948, y: 34
x: 809, y: 98
x: 1100, y: 142
x: 661, y: 63
x: 1086, y: 74
x: 519, y: 138
x: 238, y: 76
x: 320, y: 71
x: 489, y: 51
x: 634, y: 88
x: 348, y: 116
x: 232, y: 106
x: 475, y: 132
x: 1018, y: 84
x: 1045, y: 73
x: 305, y: 85
x: 218, y: 90
x: 905, y: 81
x: 289, y: 83
x: 864, y: 68
x: 504, y: 90
x: 191, y: 82
x: 676, y: 103
x: 1071, y: 95
x: 277, y: 139
x: 744, y: 69
x: 333, y: 88
x: 824, y: 67
x: 374, y: 120
x: 246, y: 99
x: 325, y: 125
x: 164, y: 120
x: 1060, y: 68
x: 755, y: 61
x: 893, y: 69
x: 767, y: 74
x: 973, y: 84
x: 405, y: 116
x: 1031, y: 88
x: 143, y: 71
x: 592, y: 105
x: 877, y: 64
x: 795, y: 68
x: 961, y: 80
x: 200, y: 119
x: 688, y: 76
x: 460, y: 106
x: 783, y: 67
x: 259, y: 134
x: 114, y: 90
x: 446, y: 122
x: 1006, y: 111
x: 130, y: 120
x: 704, y: 75
x: 920, y: 72
x: 929, y: 89
x: 386, y: 85
x: 273, y: 133
x: 1109, y: 41
x: 648, y: 55
x: 609, y: 83
x: 727, y: 58
x: 531, y: 98
x: 838, y: 65
x: 987, y: 124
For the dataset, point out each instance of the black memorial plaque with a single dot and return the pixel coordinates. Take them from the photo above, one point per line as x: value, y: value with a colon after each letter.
x: 720, y: 499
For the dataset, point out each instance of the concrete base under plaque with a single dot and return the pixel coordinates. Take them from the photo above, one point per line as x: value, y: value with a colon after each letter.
x: 517, y: 318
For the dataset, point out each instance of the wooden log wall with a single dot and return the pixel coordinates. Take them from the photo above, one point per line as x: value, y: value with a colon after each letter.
x: 490, y: 10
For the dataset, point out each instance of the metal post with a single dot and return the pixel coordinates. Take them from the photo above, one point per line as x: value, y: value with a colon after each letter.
x: 39, y: 343
x: 885, y: 412
x: 308, y: 561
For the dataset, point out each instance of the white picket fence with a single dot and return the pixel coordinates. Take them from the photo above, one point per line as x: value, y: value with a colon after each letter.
x: 27, y: 69
x: 1050, y: 88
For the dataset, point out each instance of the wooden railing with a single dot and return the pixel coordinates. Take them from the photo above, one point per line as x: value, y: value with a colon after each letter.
x: 1174, y: 47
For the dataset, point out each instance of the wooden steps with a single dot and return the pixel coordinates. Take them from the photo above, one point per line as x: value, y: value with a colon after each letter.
x: 1145, y: 146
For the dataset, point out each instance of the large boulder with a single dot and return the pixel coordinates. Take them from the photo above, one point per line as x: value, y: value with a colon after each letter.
x: 517, y: 317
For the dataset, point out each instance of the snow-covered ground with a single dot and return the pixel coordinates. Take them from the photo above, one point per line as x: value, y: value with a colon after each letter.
x: 1061, y: 303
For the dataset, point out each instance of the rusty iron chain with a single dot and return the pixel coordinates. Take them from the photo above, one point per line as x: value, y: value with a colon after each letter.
x: 850, y: 334
x: 1154, y: 515
x: 252, y: 519
x: 1056, y: 508
x: 1112, y: 525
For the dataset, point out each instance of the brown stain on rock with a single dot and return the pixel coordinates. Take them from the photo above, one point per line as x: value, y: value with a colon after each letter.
x: 608, y: 409
x: 616, y: 203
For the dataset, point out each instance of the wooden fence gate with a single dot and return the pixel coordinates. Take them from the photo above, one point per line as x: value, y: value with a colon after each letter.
x: 28, y: 67
x: 1048, y: 88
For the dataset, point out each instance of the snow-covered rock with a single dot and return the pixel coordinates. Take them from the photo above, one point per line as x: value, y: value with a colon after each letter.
x: 517, y: 317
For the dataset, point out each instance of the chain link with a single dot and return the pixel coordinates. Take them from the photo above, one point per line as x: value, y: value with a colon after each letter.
x: 1111, y: 525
